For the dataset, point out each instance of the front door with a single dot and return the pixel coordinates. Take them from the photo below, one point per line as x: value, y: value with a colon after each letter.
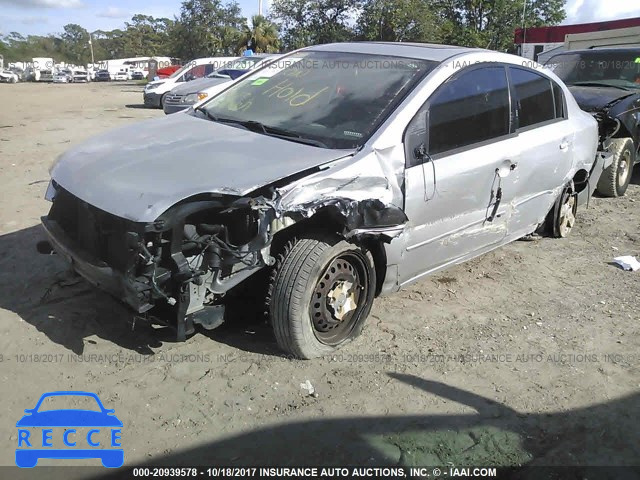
x: 460, y: 152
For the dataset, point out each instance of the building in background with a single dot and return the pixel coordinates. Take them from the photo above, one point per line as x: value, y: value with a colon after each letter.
x: 533, y: 42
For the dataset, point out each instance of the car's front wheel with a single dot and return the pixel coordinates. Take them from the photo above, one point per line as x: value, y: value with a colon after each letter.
x: 322, y: 290
x: 615, y: 179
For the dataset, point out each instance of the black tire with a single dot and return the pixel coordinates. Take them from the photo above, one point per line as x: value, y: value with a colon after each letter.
x: 562, y: 217
x: 304, y: 319
x: 615, y: 179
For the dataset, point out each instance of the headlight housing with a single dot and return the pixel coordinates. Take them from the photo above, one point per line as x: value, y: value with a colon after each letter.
x: 195, y: 97
x: 151, y: 86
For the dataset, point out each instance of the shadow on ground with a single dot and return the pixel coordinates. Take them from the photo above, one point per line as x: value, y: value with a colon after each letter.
x: 606, y: 434
x: 40, y: 290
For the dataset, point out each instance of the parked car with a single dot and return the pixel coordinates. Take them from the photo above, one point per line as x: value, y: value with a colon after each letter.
x: 137, y: 75
x: 7, y: 76
x: 102, y: 76
x: 63, y: 76
x: 348, y: 171
x: 188, y: 94
x: 122, y: 75
x: 606, y: 83
x: 156, y: 92
x: 80, y: 76
x: 19, y: 72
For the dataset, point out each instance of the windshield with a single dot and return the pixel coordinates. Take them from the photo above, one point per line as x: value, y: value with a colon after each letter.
x: 615, y: 69
x: 335, y: 99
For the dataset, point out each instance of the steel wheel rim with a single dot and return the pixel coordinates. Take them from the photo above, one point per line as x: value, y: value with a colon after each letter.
x: 336, y: 306
x: 623, y: 167
x: 567, y: 215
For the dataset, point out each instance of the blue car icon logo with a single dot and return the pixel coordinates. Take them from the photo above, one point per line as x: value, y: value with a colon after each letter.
x: 101, y: 440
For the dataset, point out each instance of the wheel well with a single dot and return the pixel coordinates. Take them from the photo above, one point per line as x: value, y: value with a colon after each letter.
x: 580, y: 180
x: 324, y: 221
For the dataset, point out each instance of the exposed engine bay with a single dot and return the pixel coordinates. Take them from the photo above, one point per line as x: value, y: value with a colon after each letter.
x: 177, y: 269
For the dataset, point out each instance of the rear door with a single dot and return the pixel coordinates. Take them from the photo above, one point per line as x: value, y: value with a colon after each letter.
x: 546, y: 138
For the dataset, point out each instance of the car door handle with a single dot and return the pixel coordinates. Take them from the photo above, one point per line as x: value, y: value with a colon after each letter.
x: 564, y: 145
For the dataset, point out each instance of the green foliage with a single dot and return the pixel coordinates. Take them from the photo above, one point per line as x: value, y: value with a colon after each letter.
x: 208, y: 28
x: 491, y: 23
x: 398, y: 21
x: 312, y: 22
x: 261, y: 36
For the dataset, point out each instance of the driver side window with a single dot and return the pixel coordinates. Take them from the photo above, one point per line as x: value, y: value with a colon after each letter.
x: 469, y: 108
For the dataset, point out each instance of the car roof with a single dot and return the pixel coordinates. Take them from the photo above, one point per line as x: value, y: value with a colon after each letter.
x: 425, y: 51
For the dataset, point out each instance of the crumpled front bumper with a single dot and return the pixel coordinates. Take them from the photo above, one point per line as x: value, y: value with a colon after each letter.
x: 95, y: 271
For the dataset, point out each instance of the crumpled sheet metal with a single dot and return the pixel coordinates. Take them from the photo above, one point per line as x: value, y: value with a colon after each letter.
x: 366, y: 191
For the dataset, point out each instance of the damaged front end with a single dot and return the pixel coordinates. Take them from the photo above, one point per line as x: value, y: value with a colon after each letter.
x: 175, y: 269
x: 178, y: 269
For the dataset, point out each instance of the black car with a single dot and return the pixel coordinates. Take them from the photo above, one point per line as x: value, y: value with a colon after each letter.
x: 102, y: 76
x: 606, y: 83
x: 137, y: 76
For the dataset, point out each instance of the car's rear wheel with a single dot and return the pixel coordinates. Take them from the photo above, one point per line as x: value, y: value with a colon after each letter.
x: 615, y: 179
x: 321, y: 293
x: 562, y: 217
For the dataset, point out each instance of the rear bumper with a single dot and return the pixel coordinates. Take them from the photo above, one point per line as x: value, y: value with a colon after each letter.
x: 95, y: 271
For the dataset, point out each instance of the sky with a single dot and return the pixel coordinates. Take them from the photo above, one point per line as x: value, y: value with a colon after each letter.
x: 39, y: 17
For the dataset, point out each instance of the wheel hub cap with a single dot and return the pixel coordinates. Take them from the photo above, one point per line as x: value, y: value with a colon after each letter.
x: 567, y: 216
x: 623, y: 168
x: 342, y: 299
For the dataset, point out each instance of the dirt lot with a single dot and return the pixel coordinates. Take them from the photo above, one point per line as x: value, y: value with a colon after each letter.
x: 529, y: 354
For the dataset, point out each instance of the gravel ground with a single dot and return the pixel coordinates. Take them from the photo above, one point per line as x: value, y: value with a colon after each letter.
x: 527, y: 355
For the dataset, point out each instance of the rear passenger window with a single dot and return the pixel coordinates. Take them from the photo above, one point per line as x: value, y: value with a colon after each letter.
x: 470, y: 108
x: 534, y: 97
x: 558, y: 99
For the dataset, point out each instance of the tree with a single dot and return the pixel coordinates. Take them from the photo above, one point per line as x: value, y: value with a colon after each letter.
x: 398, y: 21
x: 206, y: 28
x: 146, y: 36
x: 261, y: 36
x: 491, y: 23
x: 75, y: 44
x: 311, y: 22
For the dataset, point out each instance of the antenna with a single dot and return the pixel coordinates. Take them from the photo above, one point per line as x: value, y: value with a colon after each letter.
x: 524, y: 27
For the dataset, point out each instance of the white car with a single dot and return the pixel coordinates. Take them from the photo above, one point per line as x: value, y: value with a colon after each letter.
x: 63, y: 76
x: 7, y: 76
x: 156, y: 92
x: 122, y: 75
x: 80, y: 76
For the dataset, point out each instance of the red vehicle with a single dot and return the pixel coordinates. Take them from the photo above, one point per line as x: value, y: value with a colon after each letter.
x: 167, y: 71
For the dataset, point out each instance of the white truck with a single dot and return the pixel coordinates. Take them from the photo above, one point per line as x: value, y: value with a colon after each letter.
x: 41, y: 69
